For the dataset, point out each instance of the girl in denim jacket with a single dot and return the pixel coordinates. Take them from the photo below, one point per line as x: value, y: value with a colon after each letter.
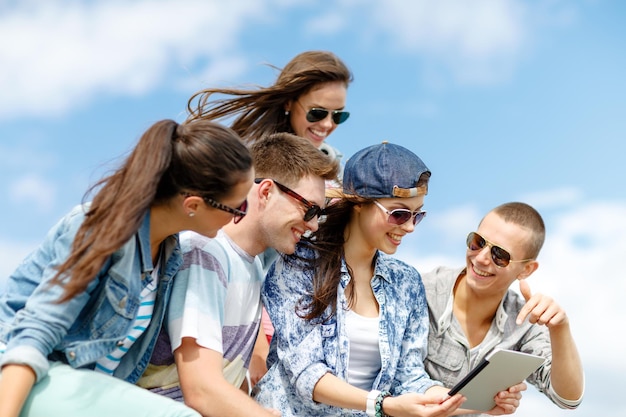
x: 81, y: 314
x: 351, y: 322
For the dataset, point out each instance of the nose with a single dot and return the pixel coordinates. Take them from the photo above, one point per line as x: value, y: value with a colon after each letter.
x: 327, y: 122
x: 484, y: 255
x: 313, y: 224
x: 408, y: 226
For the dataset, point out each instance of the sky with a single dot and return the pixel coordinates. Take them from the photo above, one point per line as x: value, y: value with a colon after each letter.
x: 504, y: 100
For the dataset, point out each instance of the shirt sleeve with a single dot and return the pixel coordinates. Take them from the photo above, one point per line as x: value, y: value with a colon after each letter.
x: 411, y: 373
x: 41, y: 324
x: 199, y: 294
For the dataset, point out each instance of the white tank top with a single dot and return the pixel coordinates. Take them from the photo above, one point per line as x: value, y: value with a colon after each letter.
x: 364, y: 360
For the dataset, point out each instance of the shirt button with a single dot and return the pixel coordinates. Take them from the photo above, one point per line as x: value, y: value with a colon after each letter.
x: 123, y: 302
x: 72, y: 355
x: 119, y: 343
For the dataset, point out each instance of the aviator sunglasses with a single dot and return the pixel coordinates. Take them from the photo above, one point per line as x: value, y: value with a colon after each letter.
x: 401, y: 216
x: 501, y: 257
x: 238, y: 213
x: 312, y: 210
x: 317, y: 113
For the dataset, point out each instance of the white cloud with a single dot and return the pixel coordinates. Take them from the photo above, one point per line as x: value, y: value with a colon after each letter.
x: 33, y: 190
x: 476, y: 42
x: 59, y: 54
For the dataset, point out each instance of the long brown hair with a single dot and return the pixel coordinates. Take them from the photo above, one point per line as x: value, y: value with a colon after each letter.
x: 328, y: 244
x: 261, y: 111
x: 199, y: 157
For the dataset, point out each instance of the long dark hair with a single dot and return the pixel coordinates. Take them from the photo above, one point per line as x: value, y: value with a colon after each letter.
x: 199, y: 157
x: 261, y: 111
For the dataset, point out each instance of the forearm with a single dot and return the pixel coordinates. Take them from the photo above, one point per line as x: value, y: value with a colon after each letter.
x: 204, y: 387
x: 15, y: 385
x: 566, y: 377
x: 219, y: 398
x: 336, y: 392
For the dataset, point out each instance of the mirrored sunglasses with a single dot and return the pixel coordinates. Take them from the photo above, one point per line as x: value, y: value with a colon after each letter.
x: 401, y: 216
x: 501, y: 257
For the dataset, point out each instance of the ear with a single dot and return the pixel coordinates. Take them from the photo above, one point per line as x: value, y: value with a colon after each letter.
x: 288, y: 105
x: 191, y: 204
x: 529, y: 268
x: 263, y: 191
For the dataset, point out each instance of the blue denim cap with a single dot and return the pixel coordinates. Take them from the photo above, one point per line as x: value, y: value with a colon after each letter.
x: 383, y: 171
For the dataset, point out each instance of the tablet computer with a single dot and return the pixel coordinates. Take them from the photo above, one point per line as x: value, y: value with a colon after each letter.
x: 498, y: 371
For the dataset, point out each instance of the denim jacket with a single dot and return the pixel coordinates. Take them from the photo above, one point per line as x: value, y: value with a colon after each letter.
x: 36, y: 328
x: 303, y: 351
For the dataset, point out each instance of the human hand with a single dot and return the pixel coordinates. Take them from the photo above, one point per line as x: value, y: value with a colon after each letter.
x: 540, y: 309
x: 422, y: 405
x: 507, y: 401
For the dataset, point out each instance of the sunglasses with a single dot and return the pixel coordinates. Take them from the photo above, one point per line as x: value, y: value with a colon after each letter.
x: 238, y: 213
x: 401, y: 216
x: 316, y: 114
x: 501, y: 257
x: 311, y: 211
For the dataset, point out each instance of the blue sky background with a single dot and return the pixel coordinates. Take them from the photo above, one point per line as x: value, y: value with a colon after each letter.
x: 504, y: 100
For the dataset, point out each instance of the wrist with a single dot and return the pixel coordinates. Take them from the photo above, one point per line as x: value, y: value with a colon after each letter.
x: 378, y: 404
x: 370, y: 409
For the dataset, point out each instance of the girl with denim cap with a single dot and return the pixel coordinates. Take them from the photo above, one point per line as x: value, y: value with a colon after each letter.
x: 93, y: 294
x: 351, y: 321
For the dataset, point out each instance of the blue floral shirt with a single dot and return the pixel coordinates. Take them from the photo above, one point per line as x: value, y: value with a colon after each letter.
x: 303, y: 351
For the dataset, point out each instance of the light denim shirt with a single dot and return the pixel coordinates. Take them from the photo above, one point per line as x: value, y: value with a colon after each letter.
x: 35, y: 327
x: 303, y: 351
x: 450, y: 357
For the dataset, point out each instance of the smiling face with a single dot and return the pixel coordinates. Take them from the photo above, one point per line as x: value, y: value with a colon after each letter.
x: 483, y: 276
x: 372, y: 225
x: 329, y: 96
x: 283, y: 223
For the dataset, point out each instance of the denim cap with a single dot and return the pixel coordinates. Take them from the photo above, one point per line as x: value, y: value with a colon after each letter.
x: 385, y: 170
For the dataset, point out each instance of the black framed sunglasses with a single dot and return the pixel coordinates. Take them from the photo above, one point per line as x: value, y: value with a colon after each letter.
x: 316, y: 114
x: 311, y: 211
x: 401, y: 216
x: 501, y: 257
x: 238, y: 213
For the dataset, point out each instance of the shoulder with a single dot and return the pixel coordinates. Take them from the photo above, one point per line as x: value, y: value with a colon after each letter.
x: 206, y: 253
x: 331, y: 151
x: 441, y: 279
x: 397, y: 272
x: 513, y: 302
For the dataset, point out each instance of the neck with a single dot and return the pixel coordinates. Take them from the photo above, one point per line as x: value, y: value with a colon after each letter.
x: 360, y: 259
x: 473, y: 312
x: 246, y: 235
x: 161, y: 226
